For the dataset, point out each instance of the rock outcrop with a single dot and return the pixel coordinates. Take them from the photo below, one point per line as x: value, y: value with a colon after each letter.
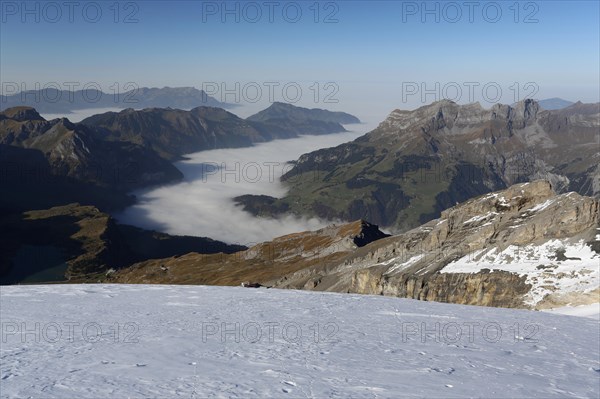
x: 298, y: 254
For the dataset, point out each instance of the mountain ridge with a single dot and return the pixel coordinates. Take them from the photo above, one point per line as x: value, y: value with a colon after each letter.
x: 417, y: 163
x: 173, y: 132
x: 55, y: 101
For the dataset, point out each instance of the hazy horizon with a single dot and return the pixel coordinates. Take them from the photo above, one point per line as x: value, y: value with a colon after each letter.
x: 359, y: 57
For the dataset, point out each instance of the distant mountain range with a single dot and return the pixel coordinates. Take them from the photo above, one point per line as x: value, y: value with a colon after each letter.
x: 554, y: 103
x: 53, y: 101
x: 417, y: 163
x: 172, y: 132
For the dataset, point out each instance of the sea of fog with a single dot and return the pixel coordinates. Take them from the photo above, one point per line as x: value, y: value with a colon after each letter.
x: 80, y: 114
x: 202, y: 204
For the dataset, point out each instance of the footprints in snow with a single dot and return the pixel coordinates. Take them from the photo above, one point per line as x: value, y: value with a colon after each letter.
x: 288, y: 383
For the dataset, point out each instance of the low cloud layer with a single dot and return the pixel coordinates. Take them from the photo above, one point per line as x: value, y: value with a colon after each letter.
x: 202, y: 205
x: 80, y: 114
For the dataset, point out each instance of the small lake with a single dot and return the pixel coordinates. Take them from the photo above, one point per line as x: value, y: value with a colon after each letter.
x: 36, y: 264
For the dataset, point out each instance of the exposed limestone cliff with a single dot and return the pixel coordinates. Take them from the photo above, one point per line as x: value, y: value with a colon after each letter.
x: 507, y: 248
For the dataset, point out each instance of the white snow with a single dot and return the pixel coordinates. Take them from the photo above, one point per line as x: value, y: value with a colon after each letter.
x: 592, y: 310
x: 580, y: 273
x: 398, y: 266
x: 195, y: 342
x: 489, y: 196
x: 478, y: 218
x: 502, y: 202
x: 542, y: 206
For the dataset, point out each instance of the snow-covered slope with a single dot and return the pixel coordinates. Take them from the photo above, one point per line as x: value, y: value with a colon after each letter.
x: 576, y: 273
x: 197, y: 341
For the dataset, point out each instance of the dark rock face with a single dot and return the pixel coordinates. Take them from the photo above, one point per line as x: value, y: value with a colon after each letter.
x: 28, y: 181
x: 367, y: 234
x: 497, y: 289
x: 76, y: 151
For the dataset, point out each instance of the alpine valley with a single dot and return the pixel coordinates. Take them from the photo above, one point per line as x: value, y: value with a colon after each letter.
x: 494, y: 207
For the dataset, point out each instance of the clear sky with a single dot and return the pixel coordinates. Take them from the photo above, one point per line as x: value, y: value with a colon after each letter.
x: 374, y: 52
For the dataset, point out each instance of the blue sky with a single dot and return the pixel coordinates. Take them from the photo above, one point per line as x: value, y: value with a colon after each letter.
x: 371, y: 53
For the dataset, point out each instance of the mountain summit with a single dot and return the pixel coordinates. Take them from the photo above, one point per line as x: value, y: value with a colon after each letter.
x: 279, y: 110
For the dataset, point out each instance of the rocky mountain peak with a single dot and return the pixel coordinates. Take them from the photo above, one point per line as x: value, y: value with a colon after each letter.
x: 66, y: 123
x: 22, y: 114
x: 525, y: 111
